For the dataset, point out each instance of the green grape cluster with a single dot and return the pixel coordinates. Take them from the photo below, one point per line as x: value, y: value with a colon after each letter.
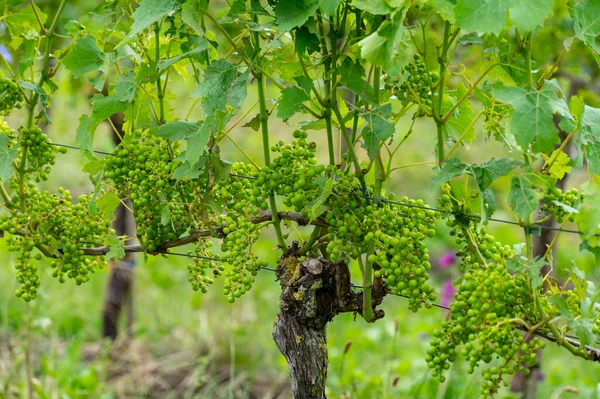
x: 416, y: 85
x: 10, y: 96
x: 204, y: 269
x: 240, y: 231
x: 54, y: 224
x: 394, y: 234
x: 559, y: 204
x: 40, y: 154
x: 142, y: 168
x: 4, y: 128
x: 482, y: 316
x: 293, y: 174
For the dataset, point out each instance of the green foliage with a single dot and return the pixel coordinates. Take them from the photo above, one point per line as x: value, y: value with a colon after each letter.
x: 344, y: 73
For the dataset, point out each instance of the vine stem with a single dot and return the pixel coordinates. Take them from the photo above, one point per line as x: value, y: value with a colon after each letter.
x: 467, y: 93
x: 528, y: 61
x: 159, y: 88
x: 329, y: 87
x: 264, y: 125
x: 438, y: 115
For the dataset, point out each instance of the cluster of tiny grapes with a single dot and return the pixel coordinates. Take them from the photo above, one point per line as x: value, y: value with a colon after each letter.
x: 393, y: 234
x: 141, y: 169
x: 35, y: 146
x: 558, y: 204
x: 53, y: 223
x: 4, y: 128
x: 293, y: 174
x: 487, y: 301
x: 205, y: 268
x: 240, y: 232
x: 416, y: 85
x: 10, y: 96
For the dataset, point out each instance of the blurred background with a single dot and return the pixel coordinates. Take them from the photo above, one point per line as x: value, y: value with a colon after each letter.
x: 185, y: 344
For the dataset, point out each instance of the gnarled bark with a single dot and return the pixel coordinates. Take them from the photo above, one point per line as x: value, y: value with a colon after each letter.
x: 313, y: 293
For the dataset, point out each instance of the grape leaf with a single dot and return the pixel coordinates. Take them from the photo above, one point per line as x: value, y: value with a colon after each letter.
x: 294, y: 13
x: 377, y: 129
x: 191, y: 14
x: 590, y: 137
x: 222, y: 85
x: 561, y: 305
x: 459, y: 124
x: 23, y: 23
x: 84, y: 57
x: 380, y: 47
x: 329, y: 7
x: 375, y: 7
x: 529, y: 14
x: 196, y: 134
x: 484, y: 174
x: 351, y: 76
x: 166, y: 63
x: 117, y: 249
x: 533, y: 116
x: 107, y: 204
x: 560, y: 164
x: 587, y: 23
x: 445, y: 8
x: 84, y: 137
x: 584, y: 328
x: 524, y: 193
x: 291, y: 101
x: 7, y: 155
x: 149, y: 12
x: 588, y: 218
x: 490, y: 16
x: 482, y: 16
x: 317, y: 207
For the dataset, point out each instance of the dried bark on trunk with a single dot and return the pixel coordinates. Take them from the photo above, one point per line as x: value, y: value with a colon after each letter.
x: 119, y: 291
x: 313, y: 293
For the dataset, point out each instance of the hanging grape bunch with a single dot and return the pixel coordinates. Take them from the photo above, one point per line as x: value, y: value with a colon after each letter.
x: 562, y: 205
x: 292, y: 175
x: 416, y: 84
x: 40, y: 154
x: 141, y: 169
x: 10, y: 96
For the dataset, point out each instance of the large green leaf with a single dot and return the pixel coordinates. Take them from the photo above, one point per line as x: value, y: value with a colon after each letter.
x: 529, y: 14
x: 149, y: 12
x: 459, y: 125
x: 525, y: 193
x: 533, y: 116
x: 196, y: 134
x: 587, y: 23
x: 590, y: 138
x: 293, y: 13
x: 489, y: 16
x: 291, y: 101
x: 482, y: 16
x: 380, y: 47
x: 223, y: 84
x: 484, y: 174
x: 84, y: 57
x: 588, y: 218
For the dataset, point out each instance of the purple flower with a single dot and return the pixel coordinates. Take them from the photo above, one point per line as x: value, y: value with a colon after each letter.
x: 447, y: 259
x: 448, y: 292
x: 6, y: 54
